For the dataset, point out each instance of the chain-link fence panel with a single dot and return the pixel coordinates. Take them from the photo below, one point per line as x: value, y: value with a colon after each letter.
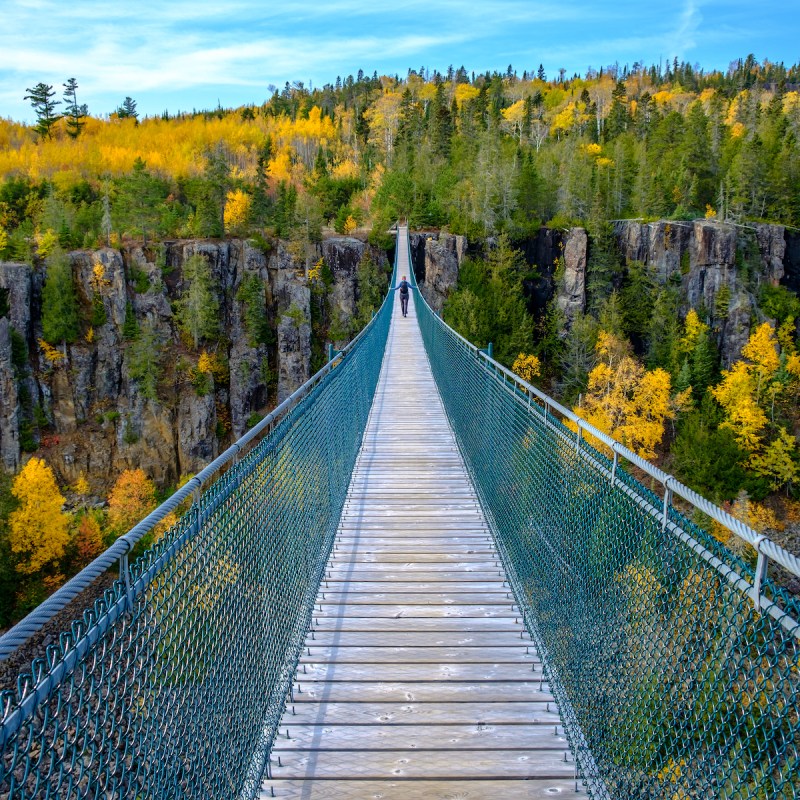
x: 173, y: 685
x: 675, y: 664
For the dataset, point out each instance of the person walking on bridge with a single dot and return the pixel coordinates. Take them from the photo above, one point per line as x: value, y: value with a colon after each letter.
x: 404, y: 286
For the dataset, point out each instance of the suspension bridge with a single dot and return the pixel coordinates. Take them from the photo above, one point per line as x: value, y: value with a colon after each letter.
x: 419, y: 577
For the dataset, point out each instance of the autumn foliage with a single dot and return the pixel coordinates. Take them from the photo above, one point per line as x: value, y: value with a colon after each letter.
x: 132, y: 498
x: 38, y: 528
x: 626, y: 401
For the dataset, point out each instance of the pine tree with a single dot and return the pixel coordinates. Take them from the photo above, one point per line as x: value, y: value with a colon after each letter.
x: 60, y: 321
x: 144, y: 361
x: 139, y: 196
x: 197, y: 307
x: 75, y: 113
x: 128, y: 109
x: 44, y: 106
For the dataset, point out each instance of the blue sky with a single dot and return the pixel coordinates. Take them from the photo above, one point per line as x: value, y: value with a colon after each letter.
x: 177, y: 54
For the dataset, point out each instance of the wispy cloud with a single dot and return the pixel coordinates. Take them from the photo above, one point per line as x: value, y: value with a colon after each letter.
x: 186, y: 51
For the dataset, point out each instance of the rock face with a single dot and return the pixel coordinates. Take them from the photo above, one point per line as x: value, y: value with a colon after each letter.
x: 571, y: 289
x: 9, y: 422
x: 718, y: 267
x: 441, y: 256
x: 86, y: 414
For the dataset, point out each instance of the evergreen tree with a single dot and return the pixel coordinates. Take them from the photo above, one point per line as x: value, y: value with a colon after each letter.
x: 603, y: 266
x: 60, y: 322
x: 128, y: 109
x: 198, y: 305
x: 618, y: 117
x: 441, y: 124
x: 218, y: 177
x: 372, y: 285
x: 44, y: 106
x: 138, y: 197
x: 144, y: 361
x: 75, y: 113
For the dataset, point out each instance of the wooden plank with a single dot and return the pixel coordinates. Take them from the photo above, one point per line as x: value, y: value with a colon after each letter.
x: 483, y: 736
x: 390, y: 625
x: 393, y: 789
x: 417, y: 654
x: 437, y: 712
x: 425, y: 673
x: 330, y: 597
x: 463, y: 567
x: 393, y: 764
x: 461, y: 617
x: 362, y: 692
x: 459, y: 654
x: 388, y: 638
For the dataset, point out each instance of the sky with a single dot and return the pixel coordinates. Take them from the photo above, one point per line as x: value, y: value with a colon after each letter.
x: 182, y: 55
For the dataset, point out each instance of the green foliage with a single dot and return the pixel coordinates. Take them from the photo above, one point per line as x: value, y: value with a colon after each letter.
x: 636, y: 298
x: 129, y: 435
x: 139, y: 196
x: 252, y: 295
x: 44, y: 106
x: 203, y: 383
x: 779, y: 303
x: 722, y: 302
x: 128, y: 109
x: 196, y: 309
x: 707, y: 457
x: 60, y: 322
x: 144, y: 361
x: 372, y: 283
x: 577, y: 356
x: 76, y: 113
x: 140, y: 279
x: 8, y: 577
x: 19, y: 352
x: 99, y: 316
x: 663, y: 331
x: 489, y: 305
x: 296, y: 315
x: 130, y: 327
x: 253, y: 419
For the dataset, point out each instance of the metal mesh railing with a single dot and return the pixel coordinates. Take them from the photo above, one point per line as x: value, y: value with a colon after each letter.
x: 675, y: 664
x: 174, y: 683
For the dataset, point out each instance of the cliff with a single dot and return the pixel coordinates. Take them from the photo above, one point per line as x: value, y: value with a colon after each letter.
x: 717, y: 267
x: 714, y: 266
x: 87, y: 413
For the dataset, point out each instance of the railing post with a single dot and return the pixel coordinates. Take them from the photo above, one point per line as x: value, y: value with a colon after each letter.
x: 760, y: 573
x: 490, y: 350
x: 330, y: 351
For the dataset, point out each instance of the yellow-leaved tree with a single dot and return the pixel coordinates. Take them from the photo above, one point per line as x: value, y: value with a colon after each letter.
x: 625, y: 400
x: 38, y: 527
x: 527, y: 367
x: 237, y: 210
x: 749, y: 393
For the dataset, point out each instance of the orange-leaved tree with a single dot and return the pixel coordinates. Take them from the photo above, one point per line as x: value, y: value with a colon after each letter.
x: 38, y: 527
x: 87, y: 539
x: 132, y: 498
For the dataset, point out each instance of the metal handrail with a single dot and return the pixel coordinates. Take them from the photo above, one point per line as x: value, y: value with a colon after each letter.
x: 117, y: 553
x: 765, y: 548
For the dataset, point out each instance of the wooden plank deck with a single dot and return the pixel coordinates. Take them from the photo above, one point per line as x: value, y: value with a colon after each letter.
x: 418, y: 680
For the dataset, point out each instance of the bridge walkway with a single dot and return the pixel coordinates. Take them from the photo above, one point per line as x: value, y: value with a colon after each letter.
x: 418, y: 679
